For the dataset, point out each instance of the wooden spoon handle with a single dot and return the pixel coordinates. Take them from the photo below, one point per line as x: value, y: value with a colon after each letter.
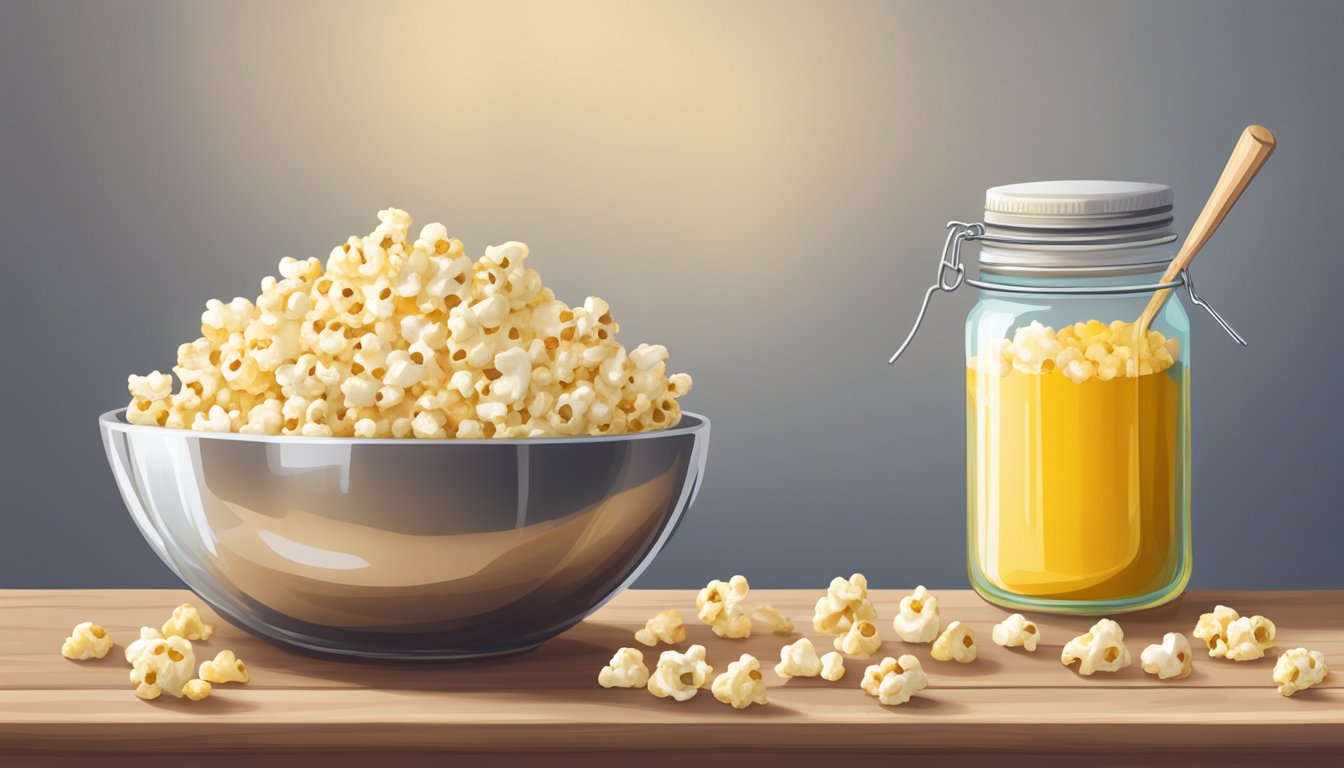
x: 1252, y: 150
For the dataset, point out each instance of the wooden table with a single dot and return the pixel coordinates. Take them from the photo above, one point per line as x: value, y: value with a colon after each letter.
x: 548, y: 703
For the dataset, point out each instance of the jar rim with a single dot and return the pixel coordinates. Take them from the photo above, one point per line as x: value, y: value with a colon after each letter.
x: 1078, y: 290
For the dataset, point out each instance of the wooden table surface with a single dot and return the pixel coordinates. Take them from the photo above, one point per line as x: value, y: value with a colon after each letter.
x: 548, y: 702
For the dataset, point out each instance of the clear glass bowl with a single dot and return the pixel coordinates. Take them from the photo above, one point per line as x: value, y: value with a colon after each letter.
x: 405, y: 548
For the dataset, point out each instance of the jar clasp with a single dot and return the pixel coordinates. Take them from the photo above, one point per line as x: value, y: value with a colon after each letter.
x: 951, y: 272
x: 1190, y: 289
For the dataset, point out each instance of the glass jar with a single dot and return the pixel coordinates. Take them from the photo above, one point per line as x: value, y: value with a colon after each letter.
x: 1077, y: 424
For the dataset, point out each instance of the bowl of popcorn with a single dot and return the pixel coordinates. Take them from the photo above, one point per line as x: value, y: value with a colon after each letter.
x: 408, y: 453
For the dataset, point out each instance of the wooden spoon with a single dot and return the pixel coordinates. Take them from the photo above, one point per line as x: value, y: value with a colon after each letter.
x: 1252, y: 150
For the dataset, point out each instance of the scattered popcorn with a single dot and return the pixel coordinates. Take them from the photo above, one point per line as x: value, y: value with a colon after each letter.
x: 1236, y: 637
x: 1101, y: 649
x: 626, y: 670
x: 196, y: 689
x: 1212, y: 629
x: 147, y: 635
x: 186, y: 622
x: 1016, y: 631
x: 86, y: 641
x: 845, y: 602
x: 665, y: 627
x: 894, y: 681
x: 832, y: 666
x: 719, y: 605
x: 680, y: 675
x: 404, y: 336
x: 956, y: 643
x: 798, y: 659
x: 919, y: 617
x: 741, y: 685
x: 224, y: 668
x: 770, y: 616
x: 1299, y: 669
x: 163, y: 666
x: 1080, y: 352
x: 1248, y: 637
x: 1171, y: 659
x: 862, y: 639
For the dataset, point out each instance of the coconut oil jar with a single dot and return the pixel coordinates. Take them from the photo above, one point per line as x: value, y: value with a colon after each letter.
x: 1077, y: 418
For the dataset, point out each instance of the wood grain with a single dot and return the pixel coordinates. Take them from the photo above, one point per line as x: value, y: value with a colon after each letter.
x: 51, y: 708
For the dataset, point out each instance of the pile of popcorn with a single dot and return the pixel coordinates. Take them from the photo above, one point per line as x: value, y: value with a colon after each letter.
x: 1080, y: 351
x: 396, y: 337
x: 163, y: 660
x: 846, y: 613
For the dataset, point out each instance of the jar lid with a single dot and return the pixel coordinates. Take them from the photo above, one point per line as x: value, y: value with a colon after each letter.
x: 1086, y: 225
x: 1074, y: 204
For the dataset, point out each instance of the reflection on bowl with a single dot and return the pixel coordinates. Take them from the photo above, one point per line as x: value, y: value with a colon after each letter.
x: 405, y: 548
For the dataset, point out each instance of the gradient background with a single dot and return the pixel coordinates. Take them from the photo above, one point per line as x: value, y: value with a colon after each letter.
x: 761, y: 186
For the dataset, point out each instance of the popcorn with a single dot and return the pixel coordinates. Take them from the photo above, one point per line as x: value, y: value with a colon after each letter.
x: 1101, y: 649
x: 86, y: 641
x: 224, y: 668
x: 1212, y: 629
x: 832, y: 666
x: 665, y: 627
x: 798, y: 659
x: 626, y: 670
x: 1079, y: 352
x: 1035, y: 348
x: 770, y: 616
x: 1231, y: 635
x: 1171, y: 659
x: 400, y: 338
x: 1248, y: 637
x: 861, y: 639
x: 894, y: 681
x: 163, y: 666
x: 680, y: 675
x: 1016, y: 631
x: 147, y: 636
x: 956, y: 643
x: 741, y: 685
x: 1299, y: 669
x: 845, y: 602
x: 719, y: 605
x: 186, y: 622
x: 196, y: 689
x: 919, y: 617
x: 153, y: 387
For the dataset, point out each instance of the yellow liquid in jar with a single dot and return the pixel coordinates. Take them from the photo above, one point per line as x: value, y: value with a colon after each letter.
x: 1074, y: 488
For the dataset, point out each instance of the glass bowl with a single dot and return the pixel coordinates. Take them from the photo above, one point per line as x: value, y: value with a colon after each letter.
x: 409, y: 548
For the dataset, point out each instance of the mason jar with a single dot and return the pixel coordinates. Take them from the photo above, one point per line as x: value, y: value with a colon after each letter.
x: 1077, y: 418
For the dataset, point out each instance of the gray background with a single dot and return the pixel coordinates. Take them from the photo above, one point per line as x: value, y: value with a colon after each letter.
x: 759, y: 185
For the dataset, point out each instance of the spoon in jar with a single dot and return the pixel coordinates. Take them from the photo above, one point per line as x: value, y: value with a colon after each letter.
x: 1252, y: 150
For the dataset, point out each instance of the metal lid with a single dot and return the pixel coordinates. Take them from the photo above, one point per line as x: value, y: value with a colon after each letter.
x: 1074, y: 202
x: 1080, y: 225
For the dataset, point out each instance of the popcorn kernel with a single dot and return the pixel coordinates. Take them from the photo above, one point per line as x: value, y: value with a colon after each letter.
x: 1100, y: 649
x: 1298, y: 669
x: 666, y: 627
x: 86, y: 641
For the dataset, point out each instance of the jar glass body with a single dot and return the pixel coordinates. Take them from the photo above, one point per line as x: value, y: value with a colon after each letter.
x: 1078, y: 463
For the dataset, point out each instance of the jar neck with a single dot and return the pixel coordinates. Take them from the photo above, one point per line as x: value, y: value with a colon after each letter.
x: 1071, y: 284
x: 1074, y: 279
x: 1088, y: 261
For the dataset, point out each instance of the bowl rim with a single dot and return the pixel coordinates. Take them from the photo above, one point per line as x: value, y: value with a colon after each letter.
x: 114, y: 420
